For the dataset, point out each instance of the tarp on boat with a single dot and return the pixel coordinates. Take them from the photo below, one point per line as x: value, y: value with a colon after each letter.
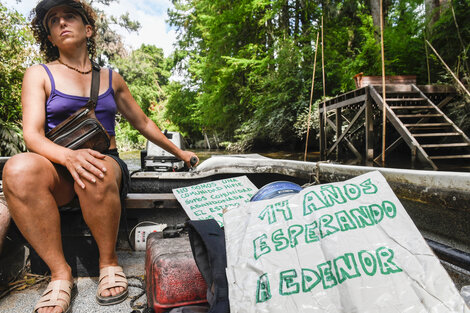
x: 340, y: 247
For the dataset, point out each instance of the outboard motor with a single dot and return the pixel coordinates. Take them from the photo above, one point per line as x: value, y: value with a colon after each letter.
x: 154, y: 158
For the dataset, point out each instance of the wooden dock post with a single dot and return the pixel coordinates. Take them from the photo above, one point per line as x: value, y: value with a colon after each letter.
x: 339, y: 123
x: 322, y: 136
x: 369, y: 126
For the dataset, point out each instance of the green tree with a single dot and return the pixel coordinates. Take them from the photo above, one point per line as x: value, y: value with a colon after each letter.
x: 147, y: 72
x: 249, y: 63
x: 16, y: 53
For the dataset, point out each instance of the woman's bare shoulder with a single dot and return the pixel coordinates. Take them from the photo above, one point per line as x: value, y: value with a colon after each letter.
x: 118, y: 81
x: 36, y: 70
x: 35, y: 76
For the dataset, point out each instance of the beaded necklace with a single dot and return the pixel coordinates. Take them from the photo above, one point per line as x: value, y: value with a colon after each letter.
x: 75, y: 69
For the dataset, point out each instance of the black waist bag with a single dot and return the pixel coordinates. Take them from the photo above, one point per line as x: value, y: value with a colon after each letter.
x: 82, y: 129
x: 208, y: 246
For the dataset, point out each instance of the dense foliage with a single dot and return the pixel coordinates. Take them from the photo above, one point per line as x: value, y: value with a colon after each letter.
x: 249, y: 63
x: 147, y: 72
x: 16, y: 52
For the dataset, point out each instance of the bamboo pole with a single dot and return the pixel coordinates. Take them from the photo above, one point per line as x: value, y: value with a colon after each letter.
x: 323, y: 60
x: 384, y: 120
x: 323, y: 75
x: 449, y: 70
x: 311, y: 96
x: 427, y: 60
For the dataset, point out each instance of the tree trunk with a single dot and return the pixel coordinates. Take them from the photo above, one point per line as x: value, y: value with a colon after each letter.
x: 433, y: 9
x: 375, y: 12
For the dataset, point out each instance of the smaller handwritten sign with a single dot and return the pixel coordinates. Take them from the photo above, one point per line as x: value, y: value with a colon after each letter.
x: 208, y: 200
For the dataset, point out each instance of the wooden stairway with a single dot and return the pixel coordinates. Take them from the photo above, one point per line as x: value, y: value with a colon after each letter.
x: 430, y: 134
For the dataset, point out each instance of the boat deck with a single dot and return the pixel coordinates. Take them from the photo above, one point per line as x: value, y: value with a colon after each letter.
x: 438, y: 202
x: 133, y: 264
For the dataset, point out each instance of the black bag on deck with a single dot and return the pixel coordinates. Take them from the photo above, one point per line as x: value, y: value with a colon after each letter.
x: 82, y: 129
x: 208, y: 246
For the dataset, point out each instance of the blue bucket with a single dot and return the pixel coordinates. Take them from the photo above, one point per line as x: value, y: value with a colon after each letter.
x: 275, y: 190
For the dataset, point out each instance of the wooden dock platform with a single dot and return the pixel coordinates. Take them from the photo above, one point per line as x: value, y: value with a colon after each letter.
x: 415, y: 112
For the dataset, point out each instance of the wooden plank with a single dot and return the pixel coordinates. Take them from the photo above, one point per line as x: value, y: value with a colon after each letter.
x: 450, y: 157
x: 343, y: 103
x: 445, y: 101
x: 437, y: 89
x: 366, y: 80
x: 418, y: 115
x: 410, y: 107
x: 151, y: 201
x: 446, y: 145
x: 427, y: 125
x: 404, y: 99
x: 436, y: 134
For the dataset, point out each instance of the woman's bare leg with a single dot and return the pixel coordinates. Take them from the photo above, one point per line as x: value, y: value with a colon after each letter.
x: 34, y: 188
x: 101, y: 208
x: 4, y: 220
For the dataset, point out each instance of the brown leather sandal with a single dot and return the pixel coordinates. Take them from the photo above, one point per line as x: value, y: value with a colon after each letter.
x: 111, y: 277
x: 58, y: 293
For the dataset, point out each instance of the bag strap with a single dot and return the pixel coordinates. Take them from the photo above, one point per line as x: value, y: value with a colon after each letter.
x: 95, y: 86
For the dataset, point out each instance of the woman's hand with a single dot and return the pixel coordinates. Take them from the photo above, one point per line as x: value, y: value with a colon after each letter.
x: 186, y: 156
x: 85, y: 164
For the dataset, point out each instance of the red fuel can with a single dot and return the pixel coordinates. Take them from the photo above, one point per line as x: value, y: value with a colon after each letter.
x: 172, y: 276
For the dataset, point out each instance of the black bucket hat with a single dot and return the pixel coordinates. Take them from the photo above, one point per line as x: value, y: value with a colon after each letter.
x: 44, y: 6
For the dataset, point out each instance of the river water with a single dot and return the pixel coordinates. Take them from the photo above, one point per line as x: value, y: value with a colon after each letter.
x: 132, y: 158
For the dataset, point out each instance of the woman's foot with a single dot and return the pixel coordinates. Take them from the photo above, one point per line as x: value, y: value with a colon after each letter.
x: 112, y: 286
x: 57, y: 298
x: 66, y: 286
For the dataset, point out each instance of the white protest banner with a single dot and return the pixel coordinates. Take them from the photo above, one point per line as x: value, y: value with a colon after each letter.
x: 208, y: 200
x: 341, y: 247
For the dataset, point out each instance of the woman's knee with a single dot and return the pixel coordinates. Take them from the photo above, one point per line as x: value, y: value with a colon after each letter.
x: 103, y: 187
x: 25, y: 172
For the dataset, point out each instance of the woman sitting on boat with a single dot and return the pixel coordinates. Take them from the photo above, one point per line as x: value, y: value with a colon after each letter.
x: 36, y: 183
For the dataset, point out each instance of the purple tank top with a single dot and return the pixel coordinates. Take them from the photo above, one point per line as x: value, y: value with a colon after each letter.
x: 59, y: 106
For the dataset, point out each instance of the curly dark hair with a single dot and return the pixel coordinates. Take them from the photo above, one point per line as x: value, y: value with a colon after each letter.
x: 41, y: 32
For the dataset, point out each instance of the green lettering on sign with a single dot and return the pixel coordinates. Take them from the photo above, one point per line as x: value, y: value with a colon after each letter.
x: 260, y: 246
x: 387, y: 266
x: 263, y: 291
x: 346, y: 267
x: 294, y: 231
x: 287, y: 285
x: 327, y: 278
x: 368, y: 262
x: 310, y: 279
x: 352, y: 191
x: 325, y: 228
x: 389, y: 208
x: 345, y: 221
x: 310, y: 234
x: 368, y: 187
x: 376, y: 212
x: 269, y: 211
x: 279, y: 240
x: 283, y: 207
x: 362, y: 216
